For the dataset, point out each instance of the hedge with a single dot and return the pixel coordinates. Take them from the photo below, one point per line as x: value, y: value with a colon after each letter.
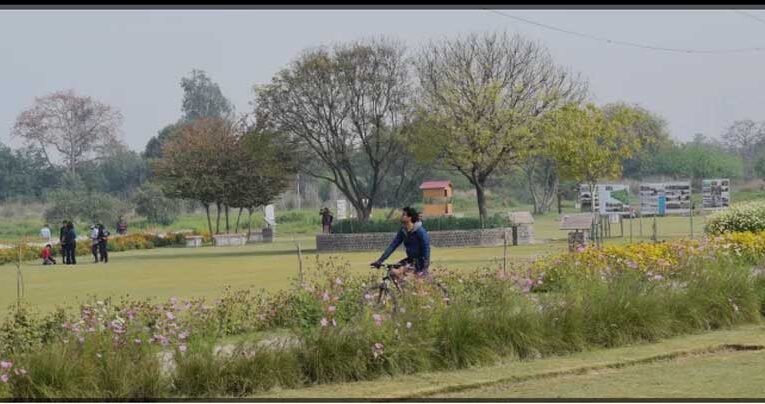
x: 432, y: 224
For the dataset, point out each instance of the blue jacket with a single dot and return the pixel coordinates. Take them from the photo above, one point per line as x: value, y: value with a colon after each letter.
x: 416, y: 243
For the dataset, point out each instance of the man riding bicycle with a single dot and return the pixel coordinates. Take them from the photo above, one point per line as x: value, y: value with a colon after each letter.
x: 416, y: 242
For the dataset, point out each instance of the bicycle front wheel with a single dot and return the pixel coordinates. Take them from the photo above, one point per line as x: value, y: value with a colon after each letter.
x: 379, y: 299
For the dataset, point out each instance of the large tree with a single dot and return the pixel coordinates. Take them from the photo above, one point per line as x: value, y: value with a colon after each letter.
x: 194, y: 161
x: 588, y: 144
x: 202, y: 98
x: 480, y: 92
x: 341, y: 103
x: 745, y: 138
x: 265, y: 167
x: 75, y: 126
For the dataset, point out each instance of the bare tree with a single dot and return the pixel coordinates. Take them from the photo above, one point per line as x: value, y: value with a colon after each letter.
x: 743, y: 138
x: 74, y: 126
x: 480, y: 92
x: 342, y: 105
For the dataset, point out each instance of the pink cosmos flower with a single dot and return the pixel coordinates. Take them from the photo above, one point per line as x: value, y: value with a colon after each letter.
x: 325, y: 296
x: 182, y: 347
x: 632, y: 264
x: 4, y: 378
x: 6, y: 364
x: 183, y: 335
x: 137, y: 341
x: 324, y: 322
x: 338, y: 281
x: 173, y: 300
x: 378, y: 319
x: 170, y: 316
x: 331, y: 309
x: 658, y: 277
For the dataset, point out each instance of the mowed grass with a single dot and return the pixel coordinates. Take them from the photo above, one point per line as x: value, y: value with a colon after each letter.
x: 205, y: 272
x: 691, y: 366
x: 733, y: 374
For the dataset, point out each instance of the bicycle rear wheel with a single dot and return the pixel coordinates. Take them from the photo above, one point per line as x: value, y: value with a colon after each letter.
x: 380, y: 298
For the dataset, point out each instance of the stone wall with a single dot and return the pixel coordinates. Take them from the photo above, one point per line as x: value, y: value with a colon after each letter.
x: 224, y: 240
x: 447, y: 238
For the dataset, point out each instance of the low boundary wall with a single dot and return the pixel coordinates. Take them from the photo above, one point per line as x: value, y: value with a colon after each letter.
x: 445, y: 238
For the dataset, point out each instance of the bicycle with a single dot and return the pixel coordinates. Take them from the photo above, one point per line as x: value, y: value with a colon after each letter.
x: 381, y: 297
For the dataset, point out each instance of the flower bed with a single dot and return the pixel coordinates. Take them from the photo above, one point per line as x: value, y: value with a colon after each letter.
x: 140, y: 241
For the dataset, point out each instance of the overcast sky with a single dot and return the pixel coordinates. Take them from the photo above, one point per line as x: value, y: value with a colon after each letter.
x: 134, y: 60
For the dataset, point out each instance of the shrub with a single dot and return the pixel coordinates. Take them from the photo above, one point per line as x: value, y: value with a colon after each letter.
x: 151, y: 202
x: 432, y: 224
x: 741, y: 217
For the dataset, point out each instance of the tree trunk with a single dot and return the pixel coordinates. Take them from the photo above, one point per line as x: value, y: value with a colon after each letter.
x: 249, y: 222
x: 560, y: 206
x: 481, y: 199
x: 209, y: 223
x: 390, y: 214
x: 228, y: 227
x: 217, y: 218
x: 238, y: 217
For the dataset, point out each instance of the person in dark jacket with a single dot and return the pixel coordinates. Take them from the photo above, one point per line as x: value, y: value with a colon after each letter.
x: 103, y: 238
x: 326, y: 221
x: 62, y: 242
x: 70, y: 237
x: 416, y: 242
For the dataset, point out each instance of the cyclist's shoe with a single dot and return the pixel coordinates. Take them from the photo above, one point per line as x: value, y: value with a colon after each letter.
x: 376, y: 264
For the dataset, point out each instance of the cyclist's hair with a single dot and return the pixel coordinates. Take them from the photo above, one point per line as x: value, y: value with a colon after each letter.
x: 412, y: 212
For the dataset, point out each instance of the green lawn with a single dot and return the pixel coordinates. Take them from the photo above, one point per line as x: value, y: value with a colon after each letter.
x: 183, y: 272
x: 694, y: 366
x: 732, y: 374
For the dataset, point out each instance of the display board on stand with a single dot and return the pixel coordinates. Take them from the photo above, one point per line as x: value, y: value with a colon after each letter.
x: 715, y: 193
x: 665, y: 198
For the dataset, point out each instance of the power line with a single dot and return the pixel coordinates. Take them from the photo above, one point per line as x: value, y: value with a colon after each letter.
x: 627, y: 43
x: 750, y: 15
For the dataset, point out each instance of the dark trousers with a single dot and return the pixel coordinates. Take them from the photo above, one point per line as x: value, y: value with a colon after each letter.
x: 64, y: 254
x: 103, y: 252
x: 94, y: 249
x: 71, y: 252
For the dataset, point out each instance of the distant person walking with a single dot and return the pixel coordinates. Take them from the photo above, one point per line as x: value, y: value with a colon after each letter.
x: 94, y: 242
x: 326, y: 221
x: 62, y: 243
x: 103, y: 238
x: 122, y: 226
x: 45, y: 233
x: 70, y: 236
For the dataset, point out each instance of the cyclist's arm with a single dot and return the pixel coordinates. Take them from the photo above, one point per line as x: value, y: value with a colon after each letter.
x: 392, y: 247
x: 425, y: 246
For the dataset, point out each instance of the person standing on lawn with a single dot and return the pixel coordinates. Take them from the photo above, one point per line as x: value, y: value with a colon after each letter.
x: 326, y: 220
x: 62, y: 243
x: 122, y: 226
x: 45, y: 233
x: 94, y: 242
x: 70, y: 236
x: 103, y: 238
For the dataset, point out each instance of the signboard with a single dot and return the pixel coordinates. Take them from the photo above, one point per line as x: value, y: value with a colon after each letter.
x: 665, y: 198
x: 270, y: 216
x: 582, y: 221
x: 616, y: 197
x: 715, y: 193
x: 341, y: 209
